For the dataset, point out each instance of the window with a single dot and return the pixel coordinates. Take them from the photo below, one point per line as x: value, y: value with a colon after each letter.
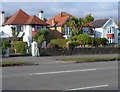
x: 110, y: 40
x: 38, y: 27
x: 85, y: 30
x: 19, y: 28
x: 67, y: 30
x: 111, y: 30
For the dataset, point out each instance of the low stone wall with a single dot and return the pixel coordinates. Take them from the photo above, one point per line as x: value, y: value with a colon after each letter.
x: 54, y: 52
x: 80, y: 50
x: 96, y: 50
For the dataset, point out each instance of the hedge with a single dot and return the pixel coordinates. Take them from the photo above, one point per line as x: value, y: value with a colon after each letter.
x: 75, y: 43
x: 99, y: 41
x: 60, y: 42
x: 5, y: 44
x: 19, y: 46
x: 52, y: 46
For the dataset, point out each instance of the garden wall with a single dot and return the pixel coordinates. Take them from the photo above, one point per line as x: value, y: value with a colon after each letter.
x: 80, y: 50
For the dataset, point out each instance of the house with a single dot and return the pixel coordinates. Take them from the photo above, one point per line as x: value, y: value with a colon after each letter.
x: 119, y: 33
x: 24, y: 24
x: 104, y: 28
x: 56, y: 24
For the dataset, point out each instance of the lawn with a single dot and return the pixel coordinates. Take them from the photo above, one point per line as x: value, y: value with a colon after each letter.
x: 4, y: 64
x: 89, y: 59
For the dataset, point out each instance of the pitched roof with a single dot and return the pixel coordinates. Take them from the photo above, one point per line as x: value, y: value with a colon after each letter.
x: 59, y: 19
x: 99, y: 22
x: 35, y: 20
x: 20, y: 17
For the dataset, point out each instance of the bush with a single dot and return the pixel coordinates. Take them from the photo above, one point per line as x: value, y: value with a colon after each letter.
x: 75, y: 43
x: 83, y: 39
x: 19, y: 46
x: 98, y: 41
x: 52, y: 46
x: 60, y: 42
x: 5, y: 44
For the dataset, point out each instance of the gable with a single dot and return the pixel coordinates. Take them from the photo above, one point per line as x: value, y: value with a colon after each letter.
x: 111, y: 23
x: 59, y: 19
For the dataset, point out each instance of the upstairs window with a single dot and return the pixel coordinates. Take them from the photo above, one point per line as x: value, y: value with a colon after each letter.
x: 111, y: 30
x: 67, y: 30
x: 19, y: 28
x: 37, y: 28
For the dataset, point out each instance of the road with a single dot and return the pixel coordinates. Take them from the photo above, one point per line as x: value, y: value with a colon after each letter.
x: 64, y: 76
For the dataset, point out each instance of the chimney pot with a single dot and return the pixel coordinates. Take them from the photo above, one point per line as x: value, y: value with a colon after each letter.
x: 41, y: 14
x: 2, y: 12
x: 2, y: 20
x: 41, y: 11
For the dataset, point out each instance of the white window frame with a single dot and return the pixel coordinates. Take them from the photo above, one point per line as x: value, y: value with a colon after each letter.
x: 110, y: 30
x: 67, y: 30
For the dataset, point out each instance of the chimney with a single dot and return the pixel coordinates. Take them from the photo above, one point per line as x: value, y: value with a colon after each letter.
x: 2, y: 19
x: 53, y: 22
x: 41, y: 14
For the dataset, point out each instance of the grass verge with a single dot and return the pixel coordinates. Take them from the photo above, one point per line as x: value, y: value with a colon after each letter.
x: 89, y: 59
x: 6, y: 64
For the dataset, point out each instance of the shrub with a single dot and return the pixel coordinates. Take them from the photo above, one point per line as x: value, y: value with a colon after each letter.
x: 101, y: 41
x: 98, y: 41
x: 19, y: 46
x: 5, y: 44
x: 75, y: 43
x: 60, y: 42
x: 83, y: 39
x: 52, y: 46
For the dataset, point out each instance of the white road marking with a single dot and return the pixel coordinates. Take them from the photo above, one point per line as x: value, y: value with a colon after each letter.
x: 62, y: 72
x: 89, y: 87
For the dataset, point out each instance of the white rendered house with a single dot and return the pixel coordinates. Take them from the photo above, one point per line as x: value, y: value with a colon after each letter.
x: 104, y: 28
x: 24, y: 23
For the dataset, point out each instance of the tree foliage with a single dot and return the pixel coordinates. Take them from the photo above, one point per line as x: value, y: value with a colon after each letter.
x: 41, y: 35
x: 44, y: 19
x: 76, y: 25
x: 88, y: 18
x: 83, y: 39
x: 14, y: 34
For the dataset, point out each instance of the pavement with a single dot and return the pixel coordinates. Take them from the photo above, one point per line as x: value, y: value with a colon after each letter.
x: 50, y: 59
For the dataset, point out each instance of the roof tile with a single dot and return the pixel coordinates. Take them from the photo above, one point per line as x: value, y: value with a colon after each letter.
x: 20, y: 17
x: 99, y: 22
x: 59, y: 19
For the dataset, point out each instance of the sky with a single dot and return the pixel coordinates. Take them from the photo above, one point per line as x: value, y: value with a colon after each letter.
x: 79, y: 9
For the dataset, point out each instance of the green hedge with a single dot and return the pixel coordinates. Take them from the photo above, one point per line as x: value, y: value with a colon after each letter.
x: 52, y: 46
x: 75, y: 43
x: 5, y: 44
x: 19, y: 46
x: 60, y: 42
x: 98, y: 41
